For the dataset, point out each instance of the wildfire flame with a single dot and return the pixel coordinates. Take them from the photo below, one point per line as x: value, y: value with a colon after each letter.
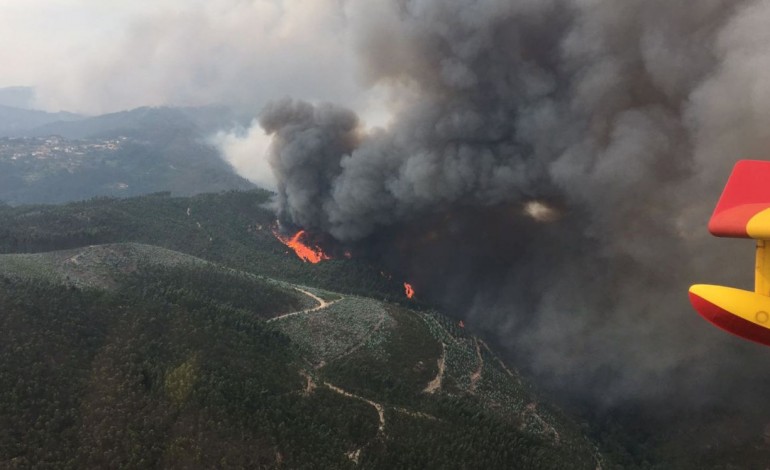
x: 306, y: 253
x: 409, y: 290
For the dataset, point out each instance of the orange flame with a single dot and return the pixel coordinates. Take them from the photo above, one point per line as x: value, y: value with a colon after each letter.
x: 306, y: 253
x: 409, y: 290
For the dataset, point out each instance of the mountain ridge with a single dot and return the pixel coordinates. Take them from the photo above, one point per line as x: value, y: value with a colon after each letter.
x: 62, y: 157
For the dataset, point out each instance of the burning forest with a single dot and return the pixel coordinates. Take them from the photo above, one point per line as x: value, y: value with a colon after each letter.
x: 546, y: 173
x: 306, y: 252
x: 539, y: 170
x: 408, y: 290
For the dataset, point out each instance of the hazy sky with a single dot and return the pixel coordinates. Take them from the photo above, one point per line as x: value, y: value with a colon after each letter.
x: 100, y: 56
x: 94, y: 57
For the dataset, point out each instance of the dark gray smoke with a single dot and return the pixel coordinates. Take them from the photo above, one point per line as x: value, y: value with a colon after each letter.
x: 311, y: 141
x: 624, y: 116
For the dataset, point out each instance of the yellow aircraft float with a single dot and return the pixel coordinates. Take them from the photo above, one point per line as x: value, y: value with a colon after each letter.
x: 743, y: 211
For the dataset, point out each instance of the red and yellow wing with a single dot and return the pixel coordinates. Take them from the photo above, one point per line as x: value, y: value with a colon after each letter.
x: 743, y: 210
x: 737, y: 311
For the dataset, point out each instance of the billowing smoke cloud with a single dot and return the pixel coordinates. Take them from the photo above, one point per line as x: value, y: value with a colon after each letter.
x: 311, y: 148
x: 247, y: 150
x: 624, y: 116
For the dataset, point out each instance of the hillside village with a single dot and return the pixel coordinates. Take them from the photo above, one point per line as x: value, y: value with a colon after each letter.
x: 56, y: 147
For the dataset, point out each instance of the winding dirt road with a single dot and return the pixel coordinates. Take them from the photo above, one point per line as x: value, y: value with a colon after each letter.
x: 321, y: 304
x: 435, y: 384
x: 380, y: 409
x: 476, y: 375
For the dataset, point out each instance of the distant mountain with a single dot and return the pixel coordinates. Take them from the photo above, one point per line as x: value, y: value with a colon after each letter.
x: 16, y: 122
x: 56, y: 158
x: 156, y: 124
x: 160, y: 332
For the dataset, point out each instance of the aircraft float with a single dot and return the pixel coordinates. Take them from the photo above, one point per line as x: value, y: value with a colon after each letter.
x: 743, y: 211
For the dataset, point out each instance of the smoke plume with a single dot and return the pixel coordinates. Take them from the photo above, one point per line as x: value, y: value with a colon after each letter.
x: 619, y: 119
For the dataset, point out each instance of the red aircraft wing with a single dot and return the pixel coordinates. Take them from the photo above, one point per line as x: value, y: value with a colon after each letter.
x: 744, y: 208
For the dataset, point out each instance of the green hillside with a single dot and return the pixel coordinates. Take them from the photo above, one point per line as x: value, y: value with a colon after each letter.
x: 232, y: 228
x: 119, y: 352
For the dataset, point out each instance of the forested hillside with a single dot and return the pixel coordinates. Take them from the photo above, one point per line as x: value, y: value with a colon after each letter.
x: 130, y: 355
x: 232, y: 228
